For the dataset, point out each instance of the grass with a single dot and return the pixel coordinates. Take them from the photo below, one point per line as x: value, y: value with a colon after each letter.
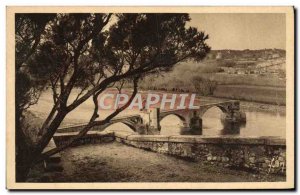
x: 274, y: 95
x: 233, y: 79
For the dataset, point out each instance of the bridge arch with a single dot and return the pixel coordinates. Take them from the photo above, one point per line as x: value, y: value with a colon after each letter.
x: 220, y: 107
x: 182, y: 118
x: 129, y: 124
x: 173, y: 125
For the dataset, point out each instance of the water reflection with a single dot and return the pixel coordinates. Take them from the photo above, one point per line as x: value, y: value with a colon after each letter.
x: 258, y: 124
x: 230, y: 128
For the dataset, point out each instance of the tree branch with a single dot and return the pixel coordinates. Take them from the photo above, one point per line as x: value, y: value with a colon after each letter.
x: 92, y: 122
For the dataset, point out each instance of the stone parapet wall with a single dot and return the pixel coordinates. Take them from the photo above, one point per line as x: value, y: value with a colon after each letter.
x: 266, y: 155
x: 75, y: 128
x: 92, y: 137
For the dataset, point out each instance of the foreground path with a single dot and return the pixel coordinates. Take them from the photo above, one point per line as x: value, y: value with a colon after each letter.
x: 115, y: 162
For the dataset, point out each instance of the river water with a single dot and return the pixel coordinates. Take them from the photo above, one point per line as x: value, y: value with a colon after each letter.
x: 258, y: 124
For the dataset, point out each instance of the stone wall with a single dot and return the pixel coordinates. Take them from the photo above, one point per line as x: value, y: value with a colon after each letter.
x: 92, y: 137
x: 265, y: 155
x: 75, y: 128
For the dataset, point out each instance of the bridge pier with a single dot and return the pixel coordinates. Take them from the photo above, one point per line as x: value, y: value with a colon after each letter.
x: 234, y: 116
x: 154, y: 126
x: 195, y: 124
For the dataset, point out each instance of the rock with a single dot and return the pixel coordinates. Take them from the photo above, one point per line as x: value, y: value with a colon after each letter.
x: 267, y: 161
x: 283, y: 154
x: 252, y: 154
x: 261, y: 160
x: 280, y: 158
x: 276, y: 163
x: 282, y: 164
x: 209, y: 154
x: 276, y: 152
x: 252, y: 160
x: 265, y: 165
x: 227, y: 165
x: 209, y: 158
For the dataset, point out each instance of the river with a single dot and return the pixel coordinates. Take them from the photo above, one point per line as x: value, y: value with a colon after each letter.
x: 258, y: 124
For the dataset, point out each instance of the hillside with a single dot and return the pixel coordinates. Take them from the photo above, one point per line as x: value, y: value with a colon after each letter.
x: 226, y: 67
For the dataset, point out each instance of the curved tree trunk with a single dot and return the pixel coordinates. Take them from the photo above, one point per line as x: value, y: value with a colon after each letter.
x: 24, y: 155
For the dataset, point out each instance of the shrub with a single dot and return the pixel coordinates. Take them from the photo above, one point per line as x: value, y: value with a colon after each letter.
x: 204, y: 86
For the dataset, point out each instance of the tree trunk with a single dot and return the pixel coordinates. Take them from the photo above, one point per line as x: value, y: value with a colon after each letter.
x: 24, y: 155
x: 23, y: 166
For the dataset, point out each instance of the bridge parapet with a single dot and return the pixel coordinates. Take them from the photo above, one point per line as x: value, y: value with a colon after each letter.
x: 132, y: 121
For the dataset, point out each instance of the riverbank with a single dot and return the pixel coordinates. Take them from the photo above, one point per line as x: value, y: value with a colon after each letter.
x: 251, y: 106
x: 111, y: 163
x: 261, y: 94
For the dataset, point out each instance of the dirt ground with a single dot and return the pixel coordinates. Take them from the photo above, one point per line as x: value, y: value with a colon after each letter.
x: 116, y: 162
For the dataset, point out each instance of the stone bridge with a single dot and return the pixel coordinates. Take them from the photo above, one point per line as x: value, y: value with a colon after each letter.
x: 132, y: 121
x: 148, y: 121
x: 192, y: 119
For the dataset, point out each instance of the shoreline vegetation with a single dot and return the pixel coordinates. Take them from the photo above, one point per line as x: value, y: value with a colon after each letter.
x: 260, y: 94
x: 254, y: 106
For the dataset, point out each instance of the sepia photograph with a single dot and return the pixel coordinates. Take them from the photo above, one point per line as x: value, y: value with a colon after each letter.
x: 150, y: 97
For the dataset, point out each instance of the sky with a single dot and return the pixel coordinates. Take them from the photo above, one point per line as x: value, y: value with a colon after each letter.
x: 242, y: 31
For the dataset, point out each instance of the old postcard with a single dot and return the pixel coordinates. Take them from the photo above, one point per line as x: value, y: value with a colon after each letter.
x: 150, y: 98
